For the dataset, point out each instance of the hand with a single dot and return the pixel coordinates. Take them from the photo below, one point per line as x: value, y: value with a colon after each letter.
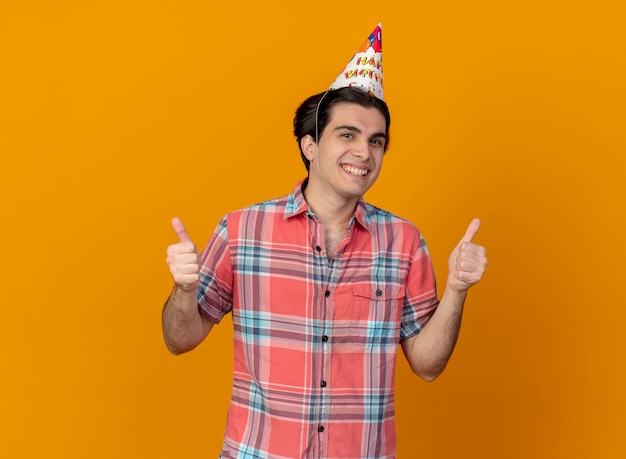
x: 183, y: 259
x: 468, y: 261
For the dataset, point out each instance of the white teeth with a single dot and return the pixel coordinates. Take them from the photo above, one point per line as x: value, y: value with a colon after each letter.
x: 355, y: 171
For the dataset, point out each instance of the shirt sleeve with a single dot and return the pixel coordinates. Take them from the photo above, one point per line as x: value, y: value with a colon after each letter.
x: 421, y: 299
x: 215, y: 292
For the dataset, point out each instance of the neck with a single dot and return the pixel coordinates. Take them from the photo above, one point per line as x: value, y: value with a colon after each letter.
x: 332, y: 212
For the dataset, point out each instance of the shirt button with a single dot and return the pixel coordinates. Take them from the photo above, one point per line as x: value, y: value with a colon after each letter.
x: 327, y: 293
x: 318, y: 248
x: 323, y: 384
x: 320, y: 428
x: 379, y: 292
x: 325, y: 338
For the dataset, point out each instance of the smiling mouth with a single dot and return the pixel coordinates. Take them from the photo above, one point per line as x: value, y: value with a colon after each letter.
x: 355, y: 171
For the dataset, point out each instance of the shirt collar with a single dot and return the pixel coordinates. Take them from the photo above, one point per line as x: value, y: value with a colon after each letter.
x: 296, y: 204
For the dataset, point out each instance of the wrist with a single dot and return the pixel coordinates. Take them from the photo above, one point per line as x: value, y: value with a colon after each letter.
x: 185, y: 289
x: 456, y: 289
x: 183, y: 299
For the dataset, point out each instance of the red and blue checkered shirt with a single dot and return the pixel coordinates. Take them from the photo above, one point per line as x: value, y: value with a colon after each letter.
x: 315, y: 341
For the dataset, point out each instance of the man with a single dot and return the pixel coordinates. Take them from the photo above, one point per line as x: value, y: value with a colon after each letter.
x: 322, y: 287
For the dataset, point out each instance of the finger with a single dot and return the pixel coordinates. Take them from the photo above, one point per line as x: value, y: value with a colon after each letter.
x: 182, y: 248
x: 180, y: 230
x: 471, y: 231
x: 187, y: 257
x: 468, y: 266
x: 189, y: 269
x: 471, y: 249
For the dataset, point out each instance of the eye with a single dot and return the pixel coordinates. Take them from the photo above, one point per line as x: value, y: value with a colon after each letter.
x: 347, y: 135
x: 376, y: 142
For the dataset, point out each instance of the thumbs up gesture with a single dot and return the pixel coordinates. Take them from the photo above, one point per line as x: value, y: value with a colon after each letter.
x: 183, y: 259
x: 468, y: 261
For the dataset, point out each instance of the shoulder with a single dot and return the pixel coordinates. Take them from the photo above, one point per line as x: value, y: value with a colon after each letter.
x: 274, y: 205
x: 399, y: 231
x: 378, y: 216
x: 258, y: 214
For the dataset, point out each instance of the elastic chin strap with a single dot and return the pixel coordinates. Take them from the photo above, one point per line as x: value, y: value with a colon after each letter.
x: 317, y: 109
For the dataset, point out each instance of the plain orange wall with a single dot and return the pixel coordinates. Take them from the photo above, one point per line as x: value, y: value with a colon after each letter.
x: 117, y: 115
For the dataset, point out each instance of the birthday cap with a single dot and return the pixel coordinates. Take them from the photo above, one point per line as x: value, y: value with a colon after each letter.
x: 366, y: 67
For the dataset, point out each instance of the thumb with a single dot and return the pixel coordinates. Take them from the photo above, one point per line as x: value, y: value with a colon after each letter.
x: 471, y: 231
x: 180, y: 230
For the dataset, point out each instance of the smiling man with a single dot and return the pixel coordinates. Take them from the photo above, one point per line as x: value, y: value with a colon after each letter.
x: 322, y: 287
x: 346, y: 161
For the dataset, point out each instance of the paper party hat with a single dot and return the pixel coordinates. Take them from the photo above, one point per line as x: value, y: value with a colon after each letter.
x: 366, y: 67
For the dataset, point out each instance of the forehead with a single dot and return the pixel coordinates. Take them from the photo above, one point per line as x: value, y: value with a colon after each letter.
x: 355, y: 115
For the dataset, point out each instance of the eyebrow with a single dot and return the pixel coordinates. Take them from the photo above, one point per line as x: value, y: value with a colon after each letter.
x: 358, y: 131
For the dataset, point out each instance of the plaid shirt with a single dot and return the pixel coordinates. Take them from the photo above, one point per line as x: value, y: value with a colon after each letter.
x: 315, y: 341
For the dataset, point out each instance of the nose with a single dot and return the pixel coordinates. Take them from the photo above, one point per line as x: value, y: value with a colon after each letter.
x: 362, y: 150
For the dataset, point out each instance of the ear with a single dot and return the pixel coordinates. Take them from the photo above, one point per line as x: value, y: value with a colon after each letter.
x: 309, y: 147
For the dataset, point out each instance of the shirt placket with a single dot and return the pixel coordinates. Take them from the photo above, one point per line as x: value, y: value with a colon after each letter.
x: 325, y: 284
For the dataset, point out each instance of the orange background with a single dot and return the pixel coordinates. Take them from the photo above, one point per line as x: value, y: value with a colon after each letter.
x: 117, y: 115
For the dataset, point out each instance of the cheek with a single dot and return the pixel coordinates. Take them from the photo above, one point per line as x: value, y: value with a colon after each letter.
x: 378, y: 158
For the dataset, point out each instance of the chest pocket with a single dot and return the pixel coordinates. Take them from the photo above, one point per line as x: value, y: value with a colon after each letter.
x: 374, y: 314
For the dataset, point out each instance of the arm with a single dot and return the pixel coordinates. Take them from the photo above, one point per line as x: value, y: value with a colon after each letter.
x: 183, y: 325
x: 429, y: 351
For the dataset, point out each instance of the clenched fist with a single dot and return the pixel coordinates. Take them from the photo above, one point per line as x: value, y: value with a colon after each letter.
x: 183, y: 259
x: 468, y: 261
